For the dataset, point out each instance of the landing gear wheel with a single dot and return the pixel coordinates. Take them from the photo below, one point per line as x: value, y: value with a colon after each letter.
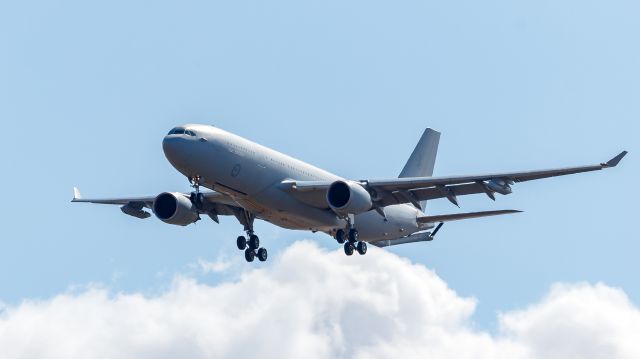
x: 249, y: 255
x: 348, y: 248
x: 242, y: 243
x: 340, y: 236
x: 254, y: 242
x: 262, y: 254
x: 362, y: 248
x: 353, y: 235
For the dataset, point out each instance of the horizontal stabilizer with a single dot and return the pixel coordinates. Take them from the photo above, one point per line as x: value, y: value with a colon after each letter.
x: 459, y: 216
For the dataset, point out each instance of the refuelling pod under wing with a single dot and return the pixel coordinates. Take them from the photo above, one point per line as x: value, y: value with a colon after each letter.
x: 416, y: 237
x: 175, y: 208
x: 348, y: 197
x: 135, y: 209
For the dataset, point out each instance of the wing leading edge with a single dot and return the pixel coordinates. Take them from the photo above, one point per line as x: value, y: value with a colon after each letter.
x: 422, y: 182
x: 415, y: 189
x: 213, y: 197
x: 77, y: 197
x: 215, y: 204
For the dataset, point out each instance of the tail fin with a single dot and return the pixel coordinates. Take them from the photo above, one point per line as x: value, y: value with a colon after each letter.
x: 423, y: 158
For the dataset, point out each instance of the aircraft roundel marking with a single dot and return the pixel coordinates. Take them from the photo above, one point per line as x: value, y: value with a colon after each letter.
x: 236, y: 170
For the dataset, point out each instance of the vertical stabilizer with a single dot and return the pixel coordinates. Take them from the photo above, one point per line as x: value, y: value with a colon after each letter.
x: 423, y: 158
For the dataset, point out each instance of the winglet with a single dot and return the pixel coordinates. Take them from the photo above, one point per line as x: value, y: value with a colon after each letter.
x: 614, y: 161
x: 76, y: 194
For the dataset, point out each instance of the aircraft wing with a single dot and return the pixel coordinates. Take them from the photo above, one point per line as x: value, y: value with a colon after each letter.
x: 146, y: 201
x: 215, y: 203
x: 213, y: 197
x: 415, y: 189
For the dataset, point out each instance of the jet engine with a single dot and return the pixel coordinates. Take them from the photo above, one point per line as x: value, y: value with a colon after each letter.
x: 348, y: 198
x: 175, y: 208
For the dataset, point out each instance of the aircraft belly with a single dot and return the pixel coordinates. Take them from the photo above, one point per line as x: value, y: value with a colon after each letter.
x: 281, y: 209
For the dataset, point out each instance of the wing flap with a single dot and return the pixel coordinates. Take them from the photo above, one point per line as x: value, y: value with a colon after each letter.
x: 423, y: 194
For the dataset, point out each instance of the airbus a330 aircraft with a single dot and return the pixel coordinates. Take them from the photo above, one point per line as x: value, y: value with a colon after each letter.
x: 251, y: 181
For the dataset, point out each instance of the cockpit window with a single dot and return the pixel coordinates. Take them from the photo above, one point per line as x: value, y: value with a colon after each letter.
x: 182, y: 131
x: 177, y: 131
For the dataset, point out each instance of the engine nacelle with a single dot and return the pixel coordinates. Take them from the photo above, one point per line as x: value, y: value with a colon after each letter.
x: 348, y: 197
x: 175, y: 208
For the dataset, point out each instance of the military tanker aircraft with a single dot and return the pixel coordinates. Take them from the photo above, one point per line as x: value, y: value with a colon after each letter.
x: 248, y: 181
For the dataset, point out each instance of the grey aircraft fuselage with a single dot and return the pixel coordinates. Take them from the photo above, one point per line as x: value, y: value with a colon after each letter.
x: 253, y: 175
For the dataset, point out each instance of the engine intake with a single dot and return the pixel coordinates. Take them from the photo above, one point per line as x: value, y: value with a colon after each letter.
x: 175, y: 208
x: 348, y: 197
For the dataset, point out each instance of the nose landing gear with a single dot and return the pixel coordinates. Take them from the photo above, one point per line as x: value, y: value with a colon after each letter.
x: 196, y: 197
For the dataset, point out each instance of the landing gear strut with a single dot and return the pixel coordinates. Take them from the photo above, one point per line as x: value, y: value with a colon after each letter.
x: 353, y: 235
x: 196, y: 197
x: 251, y: 243
x: 350, y: 238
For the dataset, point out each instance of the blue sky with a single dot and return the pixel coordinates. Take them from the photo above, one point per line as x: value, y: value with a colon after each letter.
x: 88, y: 90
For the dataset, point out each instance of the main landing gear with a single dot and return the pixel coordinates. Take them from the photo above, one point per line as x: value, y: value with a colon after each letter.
x: 251, y: 243
x: 251, y: 247
x: 351, y: 241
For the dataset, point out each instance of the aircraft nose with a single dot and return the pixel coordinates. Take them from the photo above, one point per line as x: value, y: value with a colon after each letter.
x: 168, y: 144
x: 173, y: 147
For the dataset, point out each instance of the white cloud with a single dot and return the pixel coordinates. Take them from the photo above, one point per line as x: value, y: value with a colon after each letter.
x: 578, y: 321
x: 310, y: 303
x: 219, y: 265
